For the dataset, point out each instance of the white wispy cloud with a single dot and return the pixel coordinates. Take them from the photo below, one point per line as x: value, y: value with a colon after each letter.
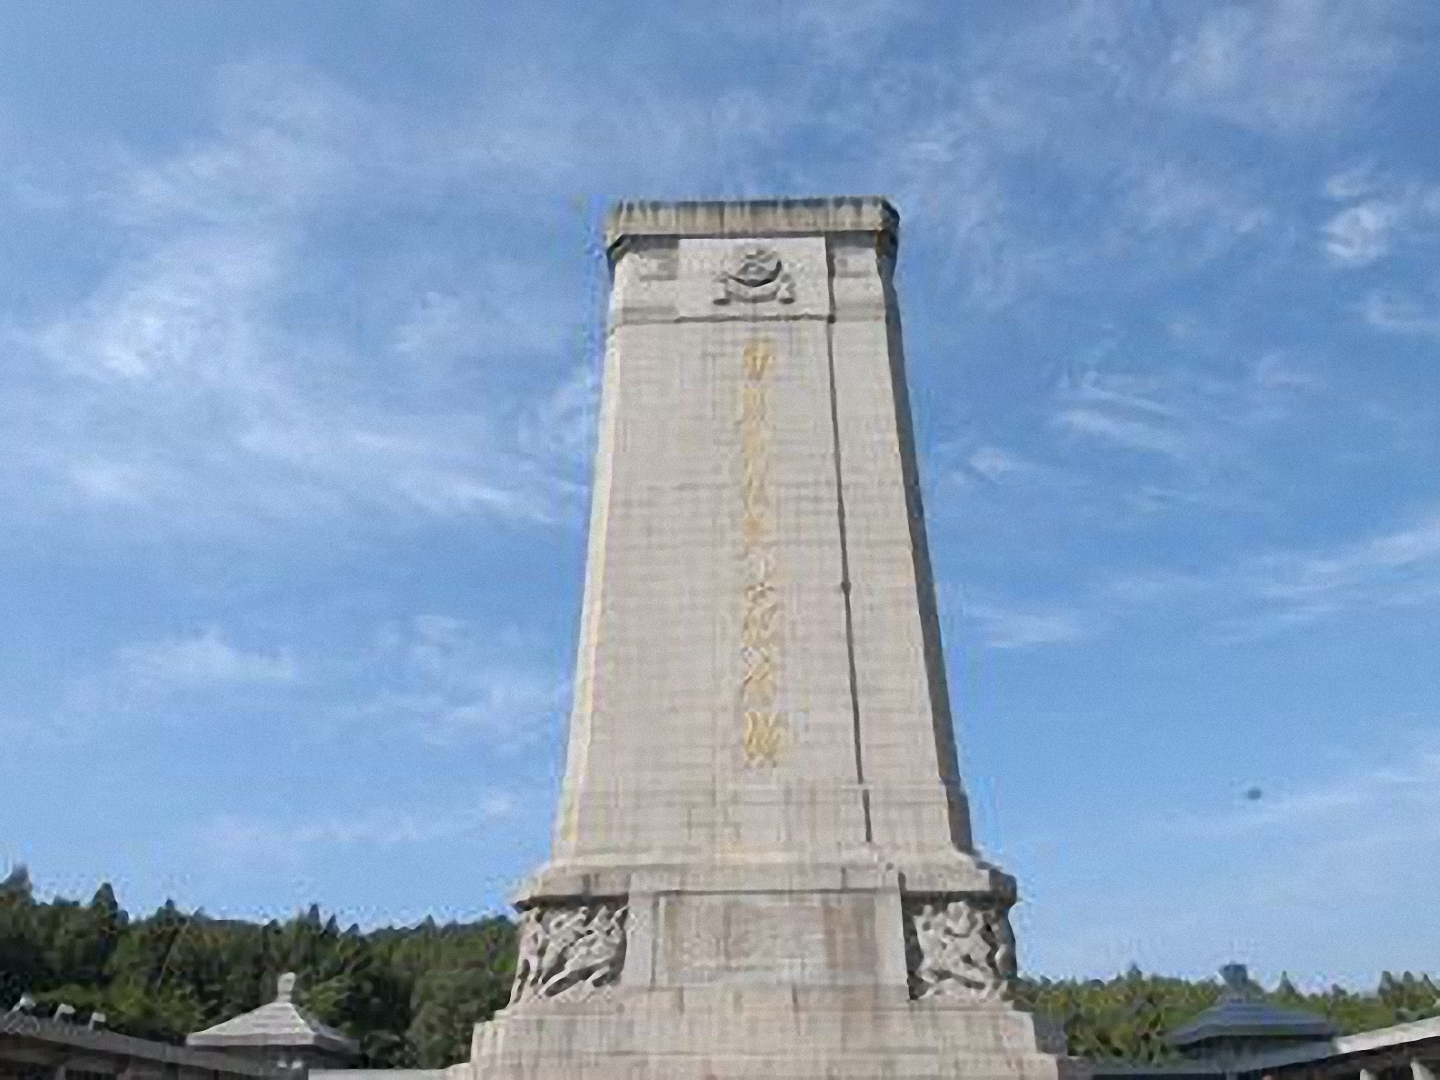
x: 1206, y: 428
x: 1256, y: 877
x: 203, y: 385
x: 1359, y: 235
x: 1212, y: 211
x: 1391, y: 804
x: 1199, y: 422
x: 1249, y: 597
x: 1286, y: 589
x: 432, y: 678
x: 1288, y: 66
x: 192, y: 387
x: 965, y: 145
x: 174, y: 680
x: 827, y: 33
x: 1121, y: 450
x: 993, y: 620
x: 249, y: 839
x: 1004, y: 627
x: 205, y: 659
x: 1390, y: 212
x: 561, y: 426
x: 199, y: 395
x: 445, y: 678
x: 1129, y: 433
x: 1402, y: 314
x: 184, y: 312
x: 286, y: 142
x: 1000, y: 466
x: 1354, y: 182
x: 1036, y: 110
x: 500, y: 314
x: 1397, y: 567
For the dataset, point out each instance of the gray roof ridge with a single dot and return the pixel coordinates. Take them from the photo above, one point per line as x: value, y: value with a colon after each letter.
x: 1243, y: 1010
x: 1341, y: 1045
x: 276, y: 1023
x: 103, y: 1040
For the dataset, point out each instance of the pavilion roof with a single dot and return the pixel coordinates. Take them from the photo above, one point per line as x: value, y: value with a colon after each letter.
x: 279, y: 1023
x: 1242, y: 1013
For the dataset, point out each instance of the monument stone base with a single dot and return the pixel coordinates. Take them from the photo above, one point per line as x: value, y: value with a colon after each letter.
x: 749, y: 971
x: 774, y: 1033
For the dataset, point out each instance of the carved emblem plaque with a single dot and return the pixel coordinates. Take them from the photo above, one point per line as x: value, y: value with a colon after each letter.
x: 754, y: 274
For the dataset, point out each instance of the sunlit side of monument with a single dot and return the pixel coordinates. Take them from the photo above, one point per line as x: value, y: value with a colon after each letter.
x: 762, y: 863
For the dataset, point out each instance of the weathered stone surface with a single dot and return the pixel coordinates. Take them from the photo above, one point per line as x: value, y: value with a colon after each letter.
x: 762, y: 862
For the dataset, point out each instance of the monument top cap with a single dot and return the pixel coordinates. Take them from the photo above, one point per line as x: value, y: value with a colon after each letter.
x: 751, y: 217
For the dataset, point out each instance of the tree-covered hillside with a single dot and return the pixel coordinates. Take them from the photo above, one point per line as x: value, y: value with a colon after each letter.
x: 1127, y: 1017
x: 411, y: 995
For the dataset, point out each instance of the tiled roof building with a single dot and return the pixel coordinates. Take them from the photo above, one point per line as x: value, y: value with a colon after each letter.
x: 1243, y: 1037
x: 280, y: 1032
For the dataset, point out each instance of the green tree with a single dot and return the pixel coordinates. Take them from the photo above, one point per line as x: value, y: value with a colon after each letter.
x: 412, y: 995
x: 22, y: 960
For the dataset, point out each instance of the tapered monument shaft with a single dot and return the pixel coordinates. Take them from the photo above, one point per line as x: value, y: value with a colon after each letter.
x: 759, y: 660
x: 762, y: 860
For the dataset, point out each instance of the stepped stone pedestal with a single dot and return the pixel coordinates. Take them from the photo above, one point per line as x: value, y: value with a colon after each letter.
x: 762, y: 864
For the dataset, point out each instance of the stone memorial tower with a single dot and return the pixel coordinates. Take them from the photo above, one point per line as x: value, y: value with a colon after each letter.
x: 762, y: 863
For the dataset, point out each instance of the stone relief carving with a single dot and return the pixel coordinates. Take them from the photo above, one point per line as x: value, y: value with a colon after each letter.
x: 960, y: 947
x: 569, y: 952
x: 661, y: 264
x: 754, y: 274
x: 645, y: 259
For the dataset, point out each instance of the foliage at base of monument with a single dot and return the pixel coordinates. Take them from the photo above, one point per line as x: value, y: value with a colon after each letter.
x: 411, y: 995
x: 1127, y: 1017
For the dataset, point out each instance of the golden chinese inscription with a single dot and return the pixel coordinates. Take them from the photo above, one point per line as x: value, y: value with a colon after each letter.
x: 759, y: 626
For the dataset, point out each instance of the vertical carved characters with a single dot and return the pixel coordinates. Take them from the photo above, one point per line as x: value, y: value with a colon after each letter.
x: 759, y: 627
x: 960, y: 947
x: 569, y: 952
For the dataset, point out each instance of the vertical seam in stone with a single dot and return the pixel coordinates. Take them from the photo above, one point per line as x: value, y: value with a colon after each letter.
x: 845, y: 561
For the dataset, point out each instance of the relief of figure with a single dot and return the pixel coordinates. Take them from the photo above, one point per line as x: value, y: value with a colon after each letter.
x: 530, y: 946
x: 568, y: 952
x: 962, y: 948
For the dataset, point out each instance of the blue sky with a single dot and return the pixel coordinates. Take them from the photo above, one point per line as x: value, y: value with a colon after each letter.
x: 299, y: 306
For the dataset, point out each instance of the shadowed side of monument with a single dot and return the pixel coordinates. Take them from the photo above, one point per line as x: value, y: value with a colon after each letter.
x: 762, y: 862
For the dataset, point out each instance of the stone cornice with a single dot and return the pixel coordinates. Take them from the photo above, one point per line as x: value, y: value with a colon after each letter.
x: 752, y: 218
